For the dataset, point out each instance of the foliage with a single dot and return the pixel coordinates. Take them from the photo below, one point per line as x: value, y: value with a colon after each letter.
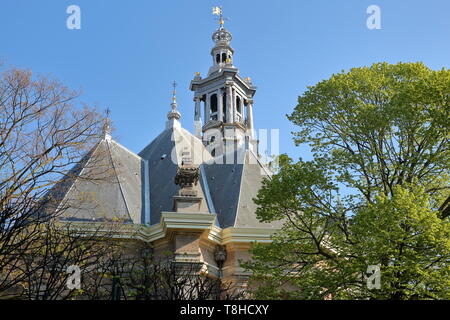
x: 44, y: 132
x: 380, y: 140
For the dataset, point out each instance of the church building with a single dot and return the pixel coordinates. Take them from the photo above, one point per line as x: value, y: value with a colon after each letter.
x: 186, y: 193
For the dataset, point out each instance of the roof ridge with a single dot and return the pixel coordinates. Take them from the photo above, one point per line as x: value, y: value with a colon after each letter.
x: 266, y: 170
x: 154, y: 139
x: 74, y: 179
x: 240, y: 189
x: 118, y: 181
x: 126, y: 149
x: 207, y: 192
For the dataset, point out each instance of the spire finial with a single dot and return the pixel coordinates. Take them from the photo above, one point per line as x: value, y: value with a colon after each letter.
x: 174, y: 92
x: 217, y: 11
x: 221, y: 34
x: 174, y: 114
x: 107, y: 125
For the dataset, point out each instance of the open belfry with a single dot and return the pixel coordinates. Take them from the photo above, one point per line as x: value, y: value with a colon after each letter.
x: 190, y: 194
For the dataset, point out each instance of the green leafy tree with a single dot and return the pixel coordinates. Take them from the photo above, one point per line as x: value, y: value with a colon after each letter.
x: 370, y: 196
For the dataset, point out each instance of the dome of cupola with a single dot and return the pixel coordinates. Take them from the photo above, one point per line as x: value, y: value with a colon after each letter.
x: 222, y: 36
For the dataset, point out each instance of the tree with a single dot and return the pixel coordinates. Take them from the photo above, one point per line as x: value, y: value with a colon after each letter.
x: 44, y: 268
x: 370, y: 196
x: 44, y: 132
x: 47, y: 139
x: 144, y: 276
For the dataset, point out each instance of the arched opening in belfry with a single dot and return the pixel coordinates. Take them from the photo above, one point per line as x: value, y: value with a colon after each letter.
x: 238, y: 104
x: 217, y: 58
x: 246, y: 113
x: 238, y: 109
x: 203, y: 104
x: 213, y: 106
x: 224, y: 57
x: 213, y: 102
x: 224, y: 106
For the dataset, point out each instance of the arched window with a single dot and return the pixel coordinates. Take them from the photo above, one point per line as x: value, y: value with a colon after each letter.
x: 224, y: 106
x: 245, y: 113
x: 238, y: 104
x: 213, y: 103
x: 203, y: 104
x: 217, y: 58
x: 224, y: 57
x: 213, y: 152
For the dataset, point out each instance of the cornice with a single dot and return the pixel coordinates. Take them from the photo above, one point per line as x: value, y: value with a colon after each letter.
x: 173, y: 221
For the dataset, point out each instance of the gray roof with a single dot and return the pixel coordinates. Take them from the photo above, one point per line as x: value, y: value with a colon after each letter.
x: 164, y: 154
x: 114, y: 183
x: 108, y: 186
x: 233, y: 187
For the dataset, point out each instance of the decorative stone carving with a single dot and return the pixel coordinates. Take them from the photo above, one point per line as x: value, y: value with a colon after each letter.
x: 220, y: 255
x: 187, y: 176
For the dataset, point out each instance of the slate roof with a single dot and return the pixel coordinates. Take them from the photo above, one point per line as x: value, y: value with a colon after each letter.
x: 233, y: 187
x: 137, y: 188
x: 106, y: 185
x: 164, y: 154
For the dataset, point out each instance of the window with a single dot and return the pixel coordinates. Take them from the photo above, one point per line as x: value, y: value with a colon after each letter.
x: 224, y: 57
x: 224, y: 107
x: 213, y: 115
x: 213, y: 103
x: 238, y: 105
x: 217, y: 58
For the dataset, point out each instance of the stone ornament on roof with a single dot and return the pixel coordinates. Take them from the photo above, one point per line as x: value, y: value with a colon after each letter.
x: 187, y: 176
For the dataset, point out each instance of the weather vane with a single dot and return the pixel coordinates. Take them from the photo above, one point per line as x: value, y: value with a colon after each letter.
x: 174, y: 92
x: 217, y: 11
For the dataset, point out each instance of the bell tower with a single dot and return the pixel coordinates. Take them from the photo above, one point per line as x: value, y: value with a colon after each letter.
x: 224, y: 100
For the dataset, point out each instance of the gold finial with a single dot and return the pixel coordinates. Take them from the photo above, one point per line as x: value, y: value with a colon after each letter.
x: 248, y: 79
x: 197, y: 73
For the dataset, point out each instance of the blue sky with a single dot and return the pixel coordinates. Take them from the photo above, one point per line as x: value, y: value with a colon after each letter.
x: 127, y: 53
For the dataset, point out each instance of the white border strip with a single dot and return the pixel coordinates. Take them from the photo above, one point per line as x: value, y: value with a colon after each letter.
x: 206, y: 187
x: 146, y: 192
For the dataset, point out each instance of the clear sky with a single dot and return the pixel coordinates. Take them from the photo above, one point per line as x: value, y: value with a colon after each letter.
x: 127, y: 53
